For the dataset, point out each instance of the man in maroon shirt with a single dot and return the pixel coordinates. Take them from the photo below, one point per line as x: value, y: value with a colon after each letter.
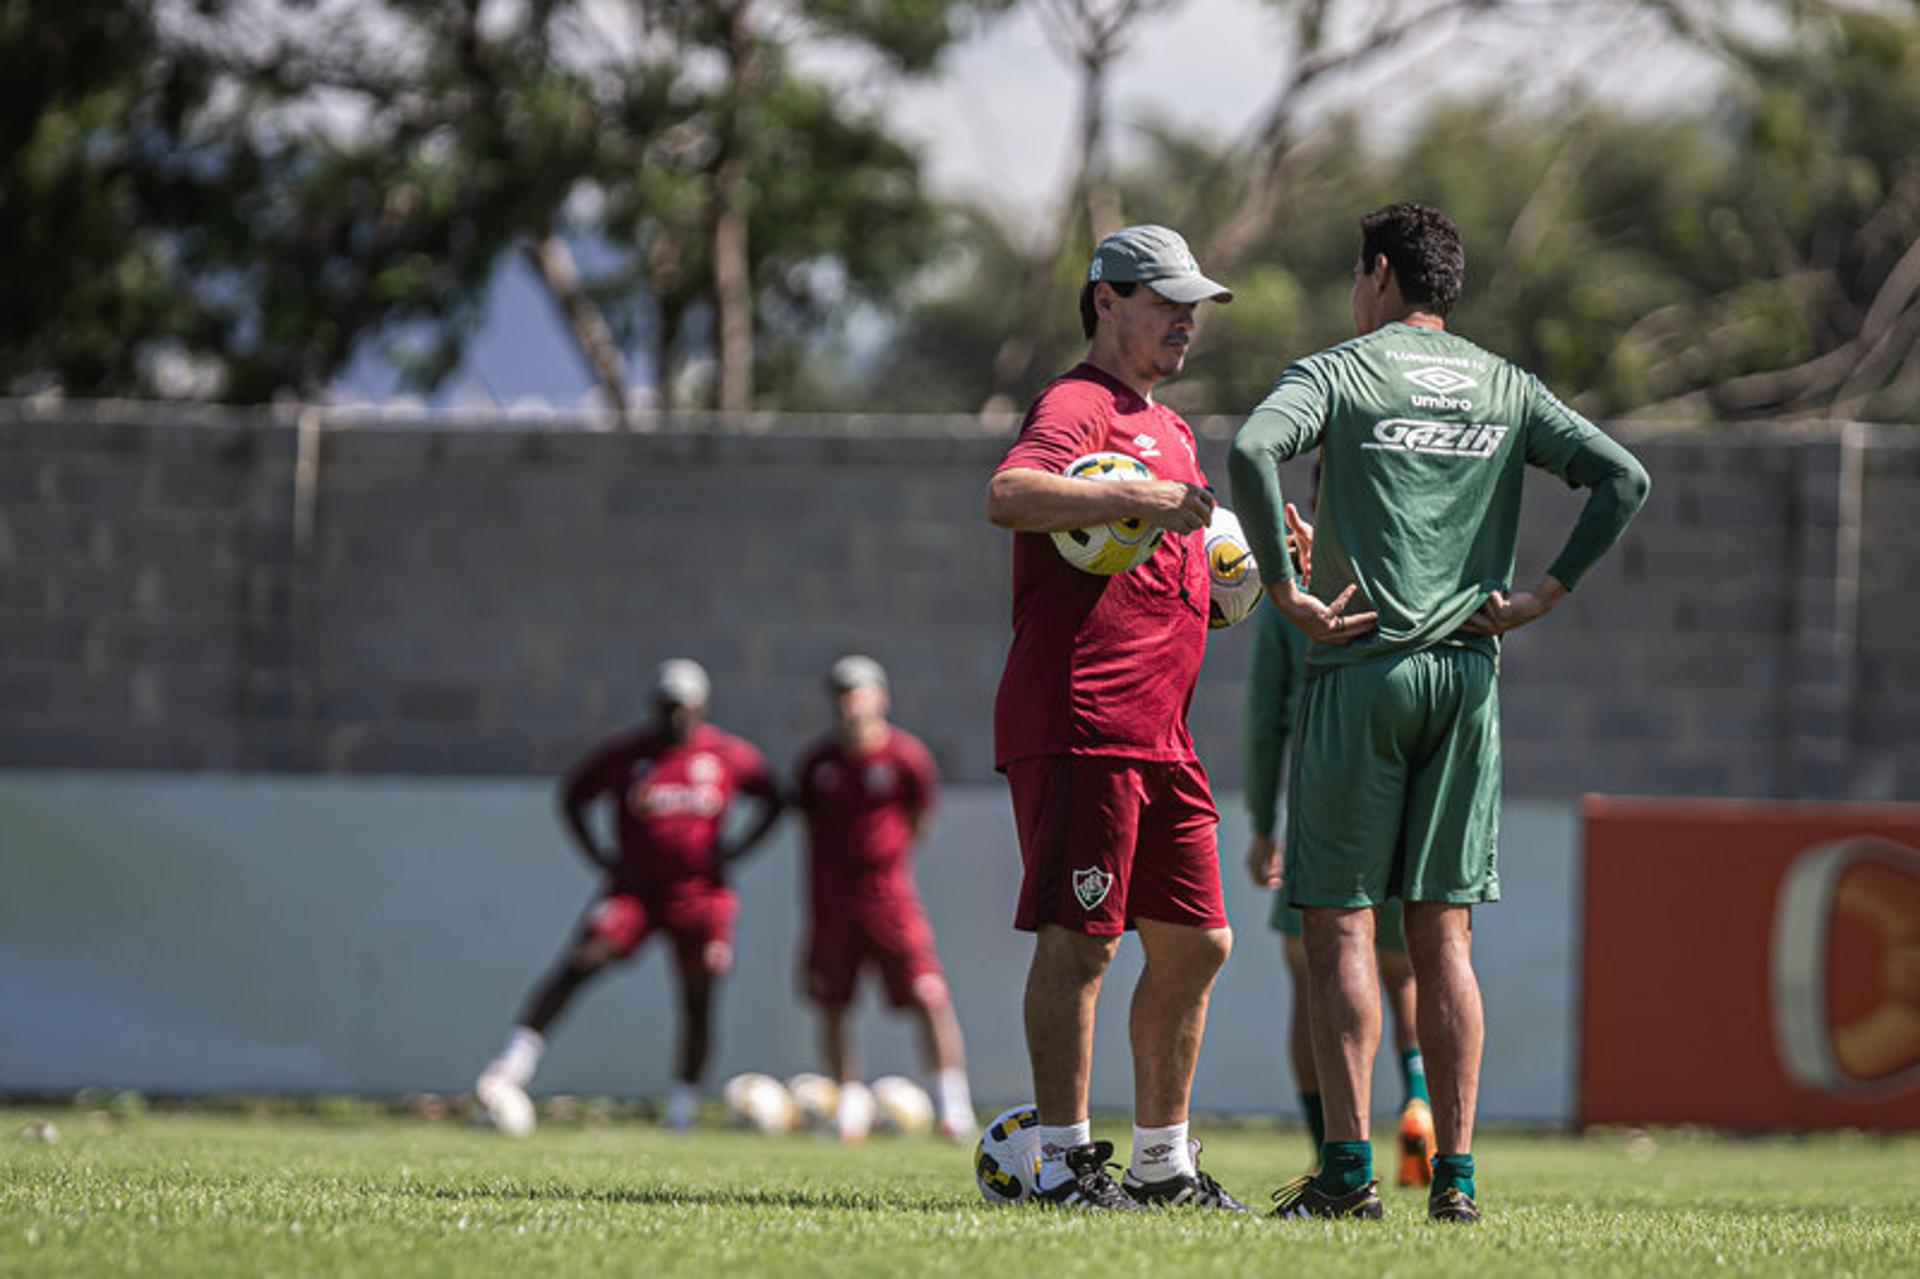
x: 867, y: 790
x: 671, y: 784
x: 1115, y: 819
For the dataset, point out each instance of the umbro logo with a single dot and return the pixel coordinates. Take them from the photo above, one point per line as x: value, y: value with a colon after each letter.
x: 1438, y: 380
x: 1148, y: 446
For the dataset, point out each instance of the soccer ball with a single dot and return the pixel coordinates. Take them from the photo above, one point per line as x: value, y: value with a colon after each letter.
x: 1006, y: 1162
x: 1236, y: 587
x: 1106, y: 549
x: 816, y: 1098
x: 759, y: 1102
x: 902, y: 1106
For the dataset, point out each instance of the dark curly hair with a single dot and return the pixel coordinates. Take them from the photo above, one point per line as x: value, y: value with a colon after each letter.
x: 1423, y: 247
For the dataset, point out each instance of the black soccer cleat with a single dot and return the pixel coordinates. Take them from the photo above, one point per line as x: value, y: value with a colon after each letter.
x: 1198, y: 1190
x: 1453, y: 1205
x: 1302, y: 1198
x: 1087, y: 1184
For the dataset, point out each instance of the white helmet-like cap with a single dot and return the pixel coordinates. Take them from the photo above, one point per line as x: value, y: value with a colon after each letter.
x: 682, y: 681
x: 856, y: 670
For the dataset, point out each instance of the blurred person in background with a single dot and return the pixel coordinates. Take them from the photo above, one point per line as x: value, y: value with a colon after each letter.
x: 866, y: 791
x: 671, y: 784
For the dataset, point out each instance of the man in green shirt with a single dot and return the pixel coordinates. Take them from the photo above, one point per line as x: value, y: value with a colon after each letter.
x: 1274, y: 680
x: 1395, y: 791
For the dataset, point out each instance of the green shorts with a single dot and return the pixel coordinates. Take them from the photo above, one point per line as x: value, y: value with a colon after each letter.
x: 1396, y: 782
x: 1389, y: 924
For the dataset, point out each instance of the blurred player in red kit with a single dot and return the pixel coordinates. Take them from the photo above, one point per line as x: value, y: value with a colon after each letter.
x: 671, y: 783
x: 867, y: 789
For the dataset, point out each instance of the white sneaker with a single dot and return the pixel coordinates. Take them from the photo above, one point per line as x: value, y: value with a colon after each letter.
x: 507, y: 1103
x: 959, y: 1129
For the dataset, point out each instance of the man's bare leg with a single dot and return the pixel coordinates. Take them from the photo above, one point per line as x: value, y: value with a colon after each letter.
x: 1452, y: 1024
x: 1346, y: 1014
x: 1169, y: 1015
x: 943, y: 1053
x: 1306, y: 1075
x: 1063, y: 985
x: 1169, y: 1019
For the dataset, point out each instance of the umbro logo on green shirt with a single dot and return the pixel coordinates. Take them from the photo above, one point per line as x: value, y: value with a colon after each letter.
x: 1447, y: 439
x: 1438, y: 380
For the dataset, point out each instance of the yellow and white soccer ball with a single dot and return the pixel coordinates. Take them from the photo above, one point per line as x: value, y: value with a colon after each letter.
x: 1006, y: 1160
x: 1107, y: 549
x: 815, y: 1099
x: 1236, y: 588
x: 902, y: 1106
x: 759, y: 1102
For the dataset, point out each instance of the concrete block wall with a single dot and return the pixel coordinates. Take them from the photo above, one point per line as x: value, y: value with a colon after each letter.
x: 465, y: 598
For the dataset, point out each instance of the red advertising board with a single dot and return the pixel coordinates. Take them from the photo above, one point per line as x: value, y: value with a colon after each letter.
x: 1750, y: 964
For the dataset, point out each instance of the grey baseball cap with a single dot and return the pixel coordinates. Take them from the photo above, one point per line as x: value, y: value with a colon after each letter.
x: 681, y: 681
x: 856, y: 670
x: 1158, y: 258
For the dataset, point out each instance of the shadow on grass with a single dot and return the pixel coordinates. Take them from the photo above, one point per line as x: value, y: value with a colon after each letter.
x: 682, y: 1197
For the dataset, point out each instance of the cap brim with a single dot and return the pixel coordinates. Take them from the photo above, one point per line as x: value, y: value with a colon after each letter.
x: 1191, y: 288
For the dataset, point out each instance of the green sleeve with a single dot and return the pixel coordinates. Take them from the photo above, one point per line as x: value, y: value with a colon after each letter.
x: 1284, y: 425
x: 1561, y: 441
x: 1273, y: 684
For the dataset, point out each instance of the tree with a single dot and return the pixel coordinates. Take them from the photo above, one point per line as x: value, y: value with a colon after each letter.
x: 280, y: 184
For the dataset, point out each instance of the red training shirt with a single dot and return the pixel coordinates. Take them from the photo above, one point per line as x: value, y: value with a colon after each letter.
x: 860, y: 812
x: 1102, y: 665
x: 670, y: 799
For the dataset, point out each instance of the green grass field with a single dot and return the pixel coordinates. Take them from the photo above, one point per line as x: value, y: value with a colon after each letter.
x: 196, y: 1194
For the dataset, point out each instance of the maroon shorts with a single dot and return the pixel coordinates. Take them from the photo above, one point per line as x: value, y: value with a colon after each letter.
x: 699, y: 924
x: 1107, y: 840
x: 895, y: 940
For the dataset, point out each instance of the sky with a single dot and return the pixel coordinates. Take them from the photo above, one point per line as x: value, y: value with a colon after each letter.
x: 995, y: 126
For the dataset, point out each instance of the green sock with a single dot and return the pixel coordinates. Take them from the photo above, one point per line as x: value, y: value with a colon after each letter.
x: 1413, y: 1077
x: 1345, y: 1166
x: 1316, y: 1118
x: 1453, y: 1172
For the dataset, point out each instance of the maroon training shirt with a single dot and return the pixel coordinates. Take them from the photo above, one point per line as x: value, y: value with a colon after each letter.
x: 671, y: 799
x: 1102, y: 665
x: 860, y: 811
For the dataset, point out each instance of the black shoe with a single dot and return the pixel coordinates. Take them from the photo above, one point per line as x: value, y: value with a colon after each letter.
x: 1302, y: 1198
x: 1199, y: 1190
x: 1453, y: 1205
x: 1088, y: 1185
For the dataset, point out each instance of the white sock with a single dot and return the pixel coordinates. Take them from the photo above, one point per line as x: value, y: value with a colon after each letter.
x: 1160, y: 1153
x: 520, y: 1058
x: 853, y: 1117
x: 681, y: 1103
x: 956, y: 1100
x: 1055, y: 1142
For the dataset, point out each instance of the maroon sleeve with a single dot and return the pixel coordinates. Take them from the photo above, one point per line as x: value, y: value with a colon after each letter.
x: 1060, y: 427
x: 750, y: 769
x: 923, y: 776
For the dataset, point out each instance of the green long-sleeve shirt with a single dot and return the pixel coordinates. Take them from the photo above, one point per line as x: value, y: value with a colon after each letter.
x: 1424, y: 439
x: 1278, y: 668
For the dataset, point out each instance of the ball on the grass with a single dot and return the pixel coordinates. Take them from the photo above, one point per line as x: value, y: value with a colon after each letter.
x: 1107, y: 549
x: 1006, y: 1160
x: 759, y: 1102
x: 815, y: 1098
x: 902, y: 1106
x: 1235, y: 589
